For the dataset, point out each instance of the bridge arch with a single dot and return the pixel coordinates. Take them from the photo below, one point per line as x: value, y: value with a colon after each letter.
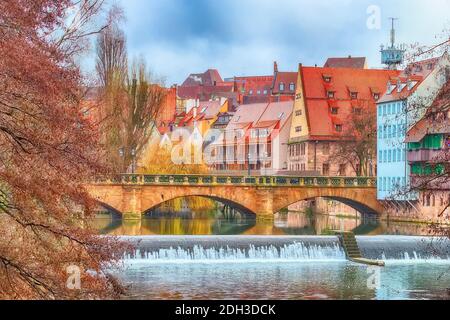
x: 227, y: 202
x: 261, y: 196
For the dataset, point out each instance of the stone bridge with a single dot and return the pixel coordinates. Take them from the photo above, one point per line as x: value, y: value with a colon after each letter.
x: 133, y: 195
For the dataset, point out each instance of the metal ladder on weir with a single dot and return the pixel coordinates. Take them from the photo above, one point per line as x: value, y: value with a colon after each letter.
x: 352, y: 251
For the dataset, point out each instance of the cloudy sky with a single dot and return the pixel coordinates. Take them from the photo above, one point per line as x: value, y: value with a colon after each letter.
x: 244, y: 37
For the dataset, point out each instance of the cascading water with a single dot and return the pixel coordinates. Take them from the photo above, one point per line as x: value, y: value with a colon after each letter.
x: 291, y: 252
x: 238, y: 249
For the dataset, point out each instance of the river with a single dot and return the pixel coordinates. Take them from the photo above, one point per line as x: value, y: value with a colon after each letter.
x: 208, y: 255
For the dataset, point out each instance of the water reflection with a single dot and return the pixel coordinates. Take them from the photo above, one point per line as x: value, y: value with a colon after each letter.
x: 216, y: 222
x: 308, y: 281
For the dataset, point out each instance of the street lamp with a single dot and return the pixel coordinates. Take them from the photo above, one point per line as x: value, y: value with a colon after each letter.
x: 133, y: 160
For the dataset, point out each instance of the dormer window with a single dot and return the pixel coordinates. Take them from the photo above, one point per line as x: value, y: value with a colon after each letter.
x: 281, y: 86
x: 376, y: 96
x: 390, y: 88
x: 330, y: 94
x: 291, y: 86
x: 411, y: 85
x: 354, y: 95
x: 338, y: 127
x: 327, y: 78
x: 334, y: 110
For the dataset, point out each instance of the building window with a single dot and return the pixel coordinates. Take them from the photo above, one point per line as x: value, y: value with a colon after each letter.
x: 281, y: 86
x: 292, y: 86
x: 334, y: 110
x: 303, y: 149
x: 327, y: 78
x: 265, y: 92
x: 298, y: 113
x: 376, y: 96
x: 250, y: 92
x: 258, y: 92
x: 380, y: 156
x: 338, y: 127
x: 303, y: 167
x: 330, y: 94
x: 354, y: 95
x: 298, y: 129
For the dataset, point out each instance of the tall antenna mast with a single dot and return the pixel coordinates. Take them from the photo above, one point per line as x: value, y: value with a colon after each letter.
x: 392, y: 56
x: 393, y: 32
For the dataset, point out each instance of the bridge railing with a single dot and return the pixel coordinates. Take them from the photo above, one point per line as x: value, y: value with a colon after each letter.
x: 212, y: 180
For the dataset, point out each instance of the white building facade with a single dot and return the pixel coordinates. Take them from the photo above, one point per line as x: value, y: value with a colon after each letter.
x: 404, y: 103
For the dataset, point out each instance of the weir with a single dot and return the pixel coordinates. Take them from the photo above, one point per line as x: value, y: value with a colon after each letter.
x: 272, y: 248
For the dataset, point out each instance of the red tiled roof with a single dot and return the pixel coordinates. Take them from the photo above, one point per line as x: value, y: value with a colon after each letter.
x: 263, y: 115
x: 416, y: 72
x: 203, y: 92
x: 349, y: 62
x: 320, y: 120
x: 287, y: 78
x: 426, y: 125
x: 210, y: 77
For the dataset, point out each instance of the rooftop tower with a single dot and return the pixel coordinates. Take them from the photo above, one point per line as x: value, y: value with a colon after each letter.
x: 392, y: 56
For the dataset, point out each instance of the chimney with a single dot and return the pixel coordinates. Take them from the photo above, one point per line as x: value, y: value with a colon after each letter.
x: 275, y: 67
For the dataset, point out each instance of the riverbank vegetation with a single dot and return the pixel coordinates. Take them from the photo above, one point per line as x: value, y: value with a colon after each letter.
x: 49, y: 149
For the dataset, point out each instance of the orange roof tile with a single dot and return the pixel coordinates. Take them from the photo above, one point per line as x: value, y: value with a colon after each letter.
x: 321, y: 121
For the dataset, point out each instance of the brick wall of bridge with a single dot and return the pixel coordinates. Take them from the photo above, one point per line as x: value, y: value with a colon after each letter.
x: 132, y: 201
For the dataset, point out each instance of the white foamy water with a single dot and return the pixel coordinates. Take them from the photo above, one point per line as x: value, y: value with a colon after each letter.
x: 199, y: 254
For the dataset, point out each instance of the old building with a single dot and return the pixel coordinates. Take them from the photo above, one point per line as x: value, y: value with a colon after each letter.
x: 253, y: 89
x: 201, y: 86
x: 406, y: 99
x: 428, y: 158
x: 284, y: 85
x: 255, y: 139
x: 325, y: 99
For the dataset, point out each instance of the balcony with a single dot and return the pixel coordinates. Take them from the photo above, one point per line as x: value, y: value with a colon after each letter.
x: 425, y: 155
